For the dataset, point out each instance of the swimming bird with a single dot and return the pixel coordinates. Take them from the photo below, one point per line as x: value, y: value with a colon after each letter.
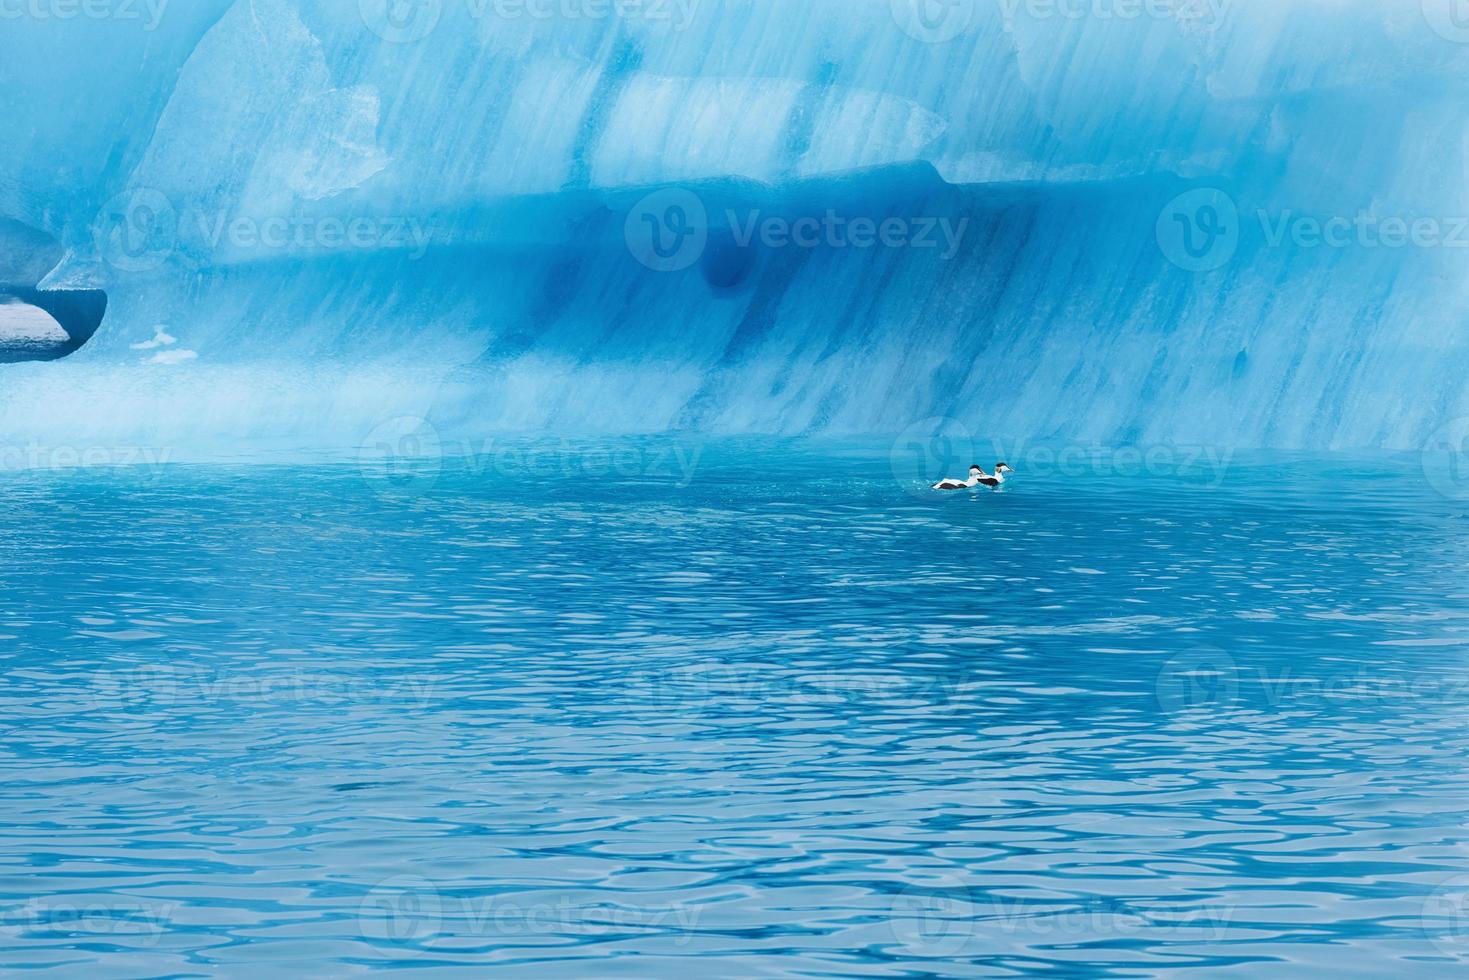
x: 998, y: 480
x: 977, y: 476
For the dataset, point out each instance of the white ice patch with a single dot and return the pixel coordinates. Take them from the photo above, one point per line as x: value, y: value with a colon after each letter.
x: 161, y: 338
x: 21, y: 323
x: 173, y: 357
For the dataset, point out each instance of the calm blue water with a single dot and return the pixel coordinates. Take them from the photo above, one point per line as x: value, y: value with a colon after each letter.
x: 774, y: 713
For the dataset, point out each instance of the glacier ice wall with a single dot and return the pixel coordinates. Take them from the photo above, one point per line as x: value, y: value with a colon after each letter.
x: 1236, y: 222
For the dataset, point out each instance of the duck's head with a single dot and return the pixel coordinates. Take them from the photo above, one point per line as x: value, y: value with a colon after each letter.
x: 976, y: 472
x: 1003, y: 468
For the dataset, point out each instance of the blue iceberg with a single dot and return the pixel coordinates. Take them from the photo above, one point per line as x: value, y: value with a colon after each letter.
x: 1202, y: 221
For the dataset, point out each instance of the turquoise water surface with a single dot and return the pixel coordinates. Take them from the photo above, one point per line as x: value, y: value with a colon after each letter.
x: 734, y: 709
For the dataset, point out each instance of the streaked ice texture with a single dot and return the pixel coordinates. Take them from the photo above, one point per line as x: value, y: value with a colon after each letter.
x: 340, y: 218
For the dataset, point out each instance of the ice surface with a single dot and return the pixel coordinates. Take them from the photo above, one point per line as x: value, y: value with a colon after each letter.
x: 346, y: 217
x: 20, y: 323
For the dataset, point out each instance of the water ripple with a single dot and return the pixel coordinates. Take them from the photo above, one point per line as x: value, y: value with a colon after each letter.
x: 616, y: 728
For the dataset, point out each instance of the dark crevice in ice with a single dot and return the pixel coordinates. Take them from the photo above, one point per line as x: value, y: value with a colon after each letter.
x: 37, y: 324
